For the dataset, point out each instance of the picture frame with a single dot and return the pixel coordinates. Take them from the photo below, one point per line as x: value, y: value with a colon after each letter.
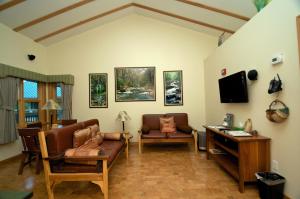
x: 173, y: 88
x: 98, y: 92
x: 135, y: 84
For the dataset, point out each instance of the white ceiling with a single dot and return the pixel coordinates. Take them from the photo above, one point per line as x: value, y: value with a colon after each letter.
x: 29, y: 10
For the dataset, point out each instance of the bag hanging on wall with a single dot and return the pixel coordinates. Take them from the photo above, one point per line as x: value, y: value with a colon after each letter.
x: 277, y: 115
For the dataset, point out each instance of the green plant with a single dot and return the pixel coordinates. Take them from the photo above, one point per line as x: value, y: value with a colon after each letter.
x: 260, y: 4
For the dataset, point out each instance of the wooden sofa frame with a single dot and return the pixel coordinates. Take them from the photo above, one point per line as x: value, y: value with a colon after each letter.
x: 168, y: 140
x: 100, y: 179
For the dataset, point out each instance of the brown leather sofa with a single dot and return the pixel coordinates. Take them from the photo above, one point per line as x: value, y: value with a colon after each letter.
x: 59, y: 168
x: 152, y: 134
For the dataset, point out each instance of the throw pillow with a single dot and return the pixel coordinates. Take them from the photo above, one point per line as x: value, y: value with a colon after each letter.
x: 167, y: 125
x: 112, y: 136
x: 184, y: 128
x: 99, y: 139
x: 94, y: 129
x: 145, y: 129
x: 81, y: 136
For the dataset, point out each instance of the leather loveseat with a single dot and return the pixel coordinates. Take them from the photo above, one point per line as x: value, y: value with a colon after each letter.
x: 151, y: 130
x: 58, y: 167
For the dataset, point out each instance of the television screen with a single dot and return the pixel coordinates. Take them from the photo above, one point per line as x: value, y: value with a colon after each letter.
x: 233, y: 88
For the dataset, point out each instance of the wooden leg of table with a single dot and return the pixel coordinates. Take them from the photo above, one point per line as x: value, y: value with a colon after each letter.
x: 195, y: 141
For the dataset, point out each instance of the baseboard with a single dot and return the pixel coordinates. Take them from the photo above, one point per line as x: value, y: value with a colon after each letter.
x: 13, y: 158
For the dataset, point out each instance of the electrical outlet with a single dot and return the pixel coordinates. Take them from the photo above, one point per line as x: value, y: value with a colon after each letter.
x: 275, y: 165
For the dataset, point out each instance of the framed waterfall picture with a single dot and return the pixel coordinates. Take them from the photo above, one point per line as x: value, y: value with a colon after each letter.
x: 135, y: 84
x: 173, y: 93
x: 98, y: 90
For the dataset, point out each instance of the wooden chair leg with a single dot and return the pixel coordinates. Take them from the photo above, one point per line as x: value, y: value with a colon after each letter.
x: 105, y: 179
x: 38, y: 164
x: 195, y: 141
x: 22, y: 164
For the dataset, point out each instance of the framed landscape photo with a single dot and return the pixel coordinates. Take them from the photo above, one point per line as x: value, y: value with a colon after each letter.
x: 98, y: 90
x: 173, y: 93
x: 135, y: 84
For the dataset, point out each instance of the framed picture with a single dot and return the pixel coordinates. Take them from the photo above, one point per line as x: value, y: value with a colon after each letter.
x: 135, y: 84
x: 173, y: 93
x: 98, y: 90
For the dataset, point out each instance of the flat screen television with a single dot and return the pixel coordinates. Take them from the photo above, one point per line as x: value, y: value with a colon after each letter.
x: 233, y: 88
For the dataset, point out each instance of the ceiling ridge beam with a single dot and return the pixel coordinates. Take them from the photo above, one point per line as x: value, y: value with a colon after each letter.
x: 83, y: 22
x: 224, y: 12
x: 52, y: 14
x: 10, y: 4
x: 138, y: 6
x: 183, y: 18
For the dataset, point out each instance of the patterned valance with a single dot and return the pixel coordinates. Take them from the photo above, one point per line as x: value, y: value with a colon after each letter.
x: 11, y: 71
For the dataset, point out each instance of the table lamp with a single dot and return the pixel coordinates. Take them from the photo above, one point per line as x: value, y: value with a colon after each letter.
x: 49, y: 106
x: 123, y: 116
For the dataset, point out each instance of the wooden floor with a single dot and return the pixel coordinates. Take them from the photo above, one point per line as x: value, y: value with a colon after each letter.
x: 162, y: 171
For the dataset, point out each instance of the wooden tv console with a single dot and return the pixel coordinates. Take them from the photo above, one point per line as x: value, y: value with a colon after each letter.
x: 244, y: 156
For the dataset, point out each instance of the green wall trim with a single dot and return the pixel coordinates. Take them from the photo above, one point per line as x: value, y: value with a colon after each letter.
x: 6, y: 70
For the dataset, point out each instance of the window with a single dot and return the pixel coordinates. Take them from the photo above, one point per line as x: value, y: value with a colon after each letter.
x: 31, y: 102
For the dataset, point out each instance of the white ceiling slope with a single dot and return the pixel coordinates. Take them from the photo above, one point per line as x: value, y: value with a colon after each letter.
x: 50, y: 21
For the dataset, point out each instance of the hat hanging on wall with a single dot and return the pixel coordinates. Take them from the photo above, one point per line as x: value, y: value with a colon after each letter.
x: 252, y: 75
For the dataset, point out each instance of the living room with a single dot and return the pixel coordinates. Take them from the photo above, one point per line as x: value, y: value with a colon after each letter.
x: 131, y: 39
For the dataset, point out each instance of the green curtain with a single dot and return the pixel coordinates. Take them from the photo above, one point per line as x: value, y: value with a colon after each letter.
x: 8, y: 101
x: 10, y: 71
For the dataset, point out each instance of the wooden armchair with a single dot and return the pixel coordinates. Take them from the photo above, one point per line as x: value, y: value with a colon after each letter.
x: 97, y: 175
x: 29, y: 137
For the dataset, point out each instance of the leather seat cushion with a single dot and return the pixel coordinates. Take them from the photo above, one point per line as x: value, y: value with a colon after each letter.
x: 64, y: 167
x: 154, y: 134
x: 179, y: 135
x: 111, y: 148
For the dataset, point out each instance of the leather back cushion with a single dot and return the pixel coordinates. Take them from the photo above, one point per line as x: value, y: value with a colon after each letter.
x: 90, y: 123
x: 152, y: 121
x: 61, y: 139
x: 181, y: 119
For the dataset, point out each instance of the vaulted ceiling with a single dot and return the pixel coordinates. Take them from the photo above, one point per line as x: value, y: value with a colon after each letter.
x: 50, y: 21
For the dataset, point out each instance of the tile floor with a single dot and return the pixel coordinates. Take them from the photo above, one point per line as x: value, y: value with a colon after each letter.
x: 161, y: 172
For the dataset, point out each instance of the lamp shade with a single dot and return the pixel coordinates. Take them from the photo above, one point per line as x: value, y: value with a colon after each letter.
x: 123, y: 116
x: 51, y: 105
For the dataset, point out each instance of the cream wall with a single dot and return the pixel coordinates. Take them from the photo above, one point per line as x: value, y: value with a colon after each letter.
x: 13, y: 52
x: 271, y: 31
x: 133, y: 41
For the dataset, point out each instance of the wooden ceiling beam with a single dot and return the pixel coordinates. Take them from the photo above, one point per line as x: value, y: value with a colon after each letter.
x: 138, y: 6
x: 183, y: 18
x: 224, y: 12
x: 53, y: 14
x: 83, y: 22
x: 10, y: 4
